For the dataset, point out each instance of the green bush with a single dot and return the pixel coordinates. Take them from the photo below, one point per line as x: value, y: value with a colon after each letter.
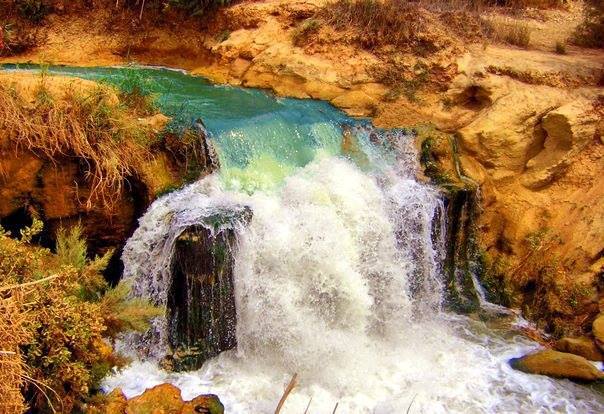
x: 302, y: 33
x: 68, y: 309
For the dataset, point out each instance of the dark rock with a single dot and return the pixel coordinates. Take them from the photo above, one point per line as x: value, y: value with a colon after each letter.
x: 201, y: 301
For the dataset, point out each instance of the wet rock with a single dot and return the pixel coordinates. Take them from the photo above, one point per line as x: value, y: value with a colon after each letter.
x: 204, y: 404
x: 582, y: 346
x: 163, y: 399
x: 116, y: 402
x: 598, y: 331
x: 201, y: 301
x: 558, y: 365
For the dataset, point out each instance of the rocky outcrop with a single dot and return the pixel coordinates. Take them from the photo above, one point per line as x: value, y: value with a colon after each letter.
x: 161, y: 399
x: 59, y: 190
x: 598, y: 331
x: 201, y: 299
x: 536, y: 153
x: 558, y: 365
x: 582, y: 346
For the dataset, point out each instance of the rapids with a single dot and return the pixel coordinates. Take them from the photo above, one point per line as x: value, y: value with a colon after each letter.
x: 337, y: 275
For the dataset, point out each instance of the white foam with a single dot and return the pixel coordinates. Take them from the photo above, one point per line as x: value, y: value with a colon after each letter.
x: 323, y: 280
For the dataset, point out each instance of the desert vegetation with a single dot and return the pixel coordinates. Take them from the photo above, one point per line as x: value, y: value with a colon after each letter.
x: 590, y: 32
x: 57, y: 311
x: 97, y: 125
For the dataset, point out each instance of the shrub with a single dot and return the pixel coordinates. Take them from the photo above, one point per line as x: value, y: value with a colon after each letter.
x: 590, y: 32
x: 15, y: 40
x: 66, y: 311
x: 197, y: 7
x: 561, y: 48
x: 33, y: 10
x: 374, y: 22
x: 514, y: 32
x: 302, y: 33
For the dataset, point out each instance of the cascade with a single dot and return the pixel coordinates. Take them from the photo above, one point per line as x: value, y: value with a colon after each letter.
x: 332, y: 250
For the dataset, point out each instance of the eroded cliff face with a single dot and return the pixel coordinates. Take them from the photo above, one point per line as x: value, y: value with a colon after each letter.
x: 57, y: 184
x: 536, y: 152
x: 528, y: 123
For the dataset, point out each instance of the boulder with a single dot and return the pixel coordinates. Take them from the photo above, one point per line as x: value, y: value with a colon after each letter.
x: 162, y: 399
x: 116, y: 402
x: 582, y: 346
x: 598, y: 331
x: 201, y: 301
x: 204, y: 404
x: 356, y: 103
x: 558, y: 365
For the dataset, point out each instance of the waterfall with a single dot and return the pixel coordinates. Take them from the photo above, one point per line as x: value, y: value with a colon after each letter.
x: 337, y: 277
x: 318, y: 230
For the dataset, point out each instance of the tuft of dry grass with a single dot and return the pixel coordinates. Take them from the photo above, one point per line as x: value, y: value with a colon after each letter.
x: 561, y: 48
x: 511, y: 31
x: 88, y: 125
x: 375, y: 23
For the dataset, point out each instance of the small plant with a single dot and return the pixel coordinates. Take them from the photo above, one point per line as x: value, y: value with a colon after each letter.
x: 518, y: 34
x: 33, y: 10
x: 136, y: 91
x: 513, y: 32
x: 561, y: 48
x: 303, y: 32
x: 536, y: 239
x: 71, y: 247
x: 223, y: 36
x: 590, y: 33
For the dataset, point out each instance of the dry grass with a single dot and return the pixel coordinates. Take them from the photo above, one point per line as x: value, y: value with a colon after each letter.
x: 511, y: 31
x: 90, y: 126
x: 12, y: 369
x: 55, y: 312
x: 375, y: 23
x: 425, y: 26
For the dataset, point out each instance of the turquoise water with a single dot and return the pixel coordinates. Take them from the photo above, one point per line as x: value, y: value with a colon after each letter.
x: 260, y: 138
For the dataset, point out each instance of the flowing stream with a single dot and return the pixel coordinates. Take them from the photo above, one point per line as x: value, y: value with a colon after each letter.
x: 337, y: 275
